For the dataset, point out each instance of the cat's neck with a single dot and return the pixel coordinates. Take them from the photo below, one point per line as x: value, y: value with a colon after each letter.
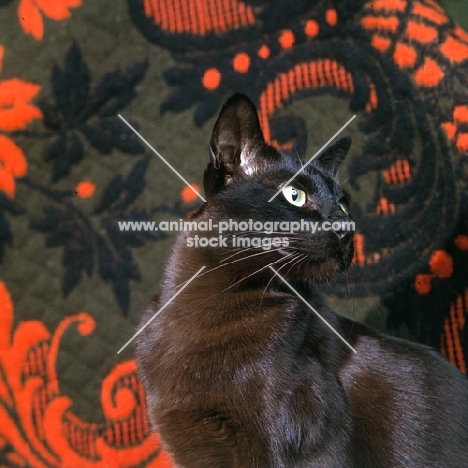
x: 228, y: 288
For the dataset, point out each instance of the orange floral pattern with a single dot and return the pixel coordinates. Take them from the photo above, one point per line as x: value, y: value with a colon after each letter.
x: 276, y: 59
x: 426, y: 25
x: 16, y: 112
x: 30, y: 402
x: 30, y: 14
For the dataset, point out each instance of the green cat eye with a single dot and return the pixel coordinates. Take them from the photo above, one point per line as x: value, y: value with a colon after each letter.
x: 294, y: 195
x: 344, y: 208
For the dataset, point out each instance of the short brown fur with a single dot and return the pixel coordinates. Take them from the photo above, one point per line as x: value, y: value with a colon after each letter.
x: 239, y: 373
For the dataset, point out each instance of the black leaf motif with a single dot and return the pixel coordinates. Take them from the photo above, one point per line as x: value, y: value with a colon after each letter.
x: 121, y: 288
x: 134, y: 238
x: 71, y: 85
x: 105, y: 134
x: 66, y: 151
x: 206, y: 109
x: 82, y: 115
x: 111, y: 194
x: 66, y: 227
x: 61, y: 235
x: 136, y: 180
x: 176, y: 76
x: 9, y: 205
x: 50, y: 116
x: 98, y: 138
x: 52, y: 216
x: 83, y: 244
x: 107, y: 268
x: 126, y: 262
x: 6, y: 237
x: 110, y: 85
x: 123, y: 85
x: 117, y: 268
x: 120, y: 193
x: 290, y: 129
x: 5, y: 234
x: 177, y: 101
x: 77, y: 258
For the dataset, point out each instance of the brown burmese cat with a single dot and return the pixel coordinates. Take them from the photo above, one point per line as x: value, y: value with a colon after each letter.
x: 240, y: 373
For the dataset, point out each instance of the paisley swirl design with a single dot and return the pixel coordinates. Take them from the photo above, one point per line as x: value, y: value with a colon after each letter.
x: 400, y: 65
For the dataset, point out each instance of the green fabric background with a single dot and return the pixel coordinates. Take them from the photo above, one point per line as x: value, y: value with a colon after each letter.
x: 33, y: 273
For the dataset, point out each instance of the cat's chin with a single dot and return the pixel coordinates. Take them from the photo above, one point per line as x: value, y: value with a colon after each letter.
x: 324, y: 270
x: 327, y: 271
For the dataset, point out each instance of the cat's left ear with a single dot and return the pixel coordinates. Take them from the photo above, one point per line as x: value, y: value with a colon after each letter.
x: 333, y: 156
x: 237, y: 137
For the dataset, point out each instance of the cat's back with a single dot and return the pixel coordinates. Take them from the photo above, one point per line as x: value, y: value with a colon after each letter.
x: 409, y: 406
x: 239, y: 373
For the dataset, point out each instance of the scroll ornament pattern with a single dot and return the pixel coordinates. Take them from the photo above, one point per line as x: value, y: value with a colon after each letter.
x: 37, y: 427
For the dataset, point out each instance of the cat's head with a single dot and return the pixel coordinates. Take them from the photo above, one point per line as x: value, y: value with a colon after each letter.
x: 240, y: 181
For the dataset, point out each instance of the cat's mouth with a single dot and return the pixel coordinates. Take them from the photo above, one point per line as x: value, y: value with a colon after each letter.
x: 323, y: 264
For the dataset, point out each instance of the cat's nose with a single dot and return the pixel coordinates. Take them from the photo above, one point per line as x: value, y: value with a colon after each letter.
x: 344, y: 235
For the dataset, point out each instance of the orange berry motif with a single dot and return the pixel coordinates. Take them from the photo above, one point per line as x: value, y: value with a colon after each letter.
x: 422, y: 283
x: 287, y: 39
x: 211, y: 78
x: 461, y: 242
x: 188, y: 195
x: 85, y: 189
x: 381, y: 43
x: 264, y: 52
x: 462, y: 142
x: 460, y: 113
x: 331, y: 17
x: 404, y: 55
x: 441, y: 264
x: 450, y: 129
x: 421, y: 33
x: 454, y: 50
x: 312, y: 28
x: 460, y: 138
x: 429, y: 74
x: 241, y: 62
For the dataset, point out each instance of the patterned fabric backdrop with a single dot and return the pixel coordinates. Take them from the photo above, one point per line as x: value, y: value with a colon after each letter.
x: 72, y: 285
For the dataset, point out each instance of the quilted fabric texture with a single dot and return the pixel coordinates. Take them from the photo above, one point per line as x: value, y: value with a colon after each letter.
x: 73, y: 285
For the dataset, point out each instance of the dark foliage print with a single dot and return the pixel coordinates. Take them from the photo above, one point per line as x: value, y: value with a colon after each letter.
x: 82, y: 115
x: 85, y: 245
x: 11, y: 207
x: 396, y: 65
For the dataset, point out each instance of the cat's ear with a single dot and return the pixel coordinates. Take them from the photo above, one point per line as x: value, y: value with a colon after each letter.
x: 333, y: 156
x: 237, y: 137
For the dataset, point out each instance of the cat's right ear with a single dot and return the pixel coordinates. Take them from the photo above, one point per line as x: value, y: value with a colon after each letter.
x: 332, y: 157
x: 236, y: 141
